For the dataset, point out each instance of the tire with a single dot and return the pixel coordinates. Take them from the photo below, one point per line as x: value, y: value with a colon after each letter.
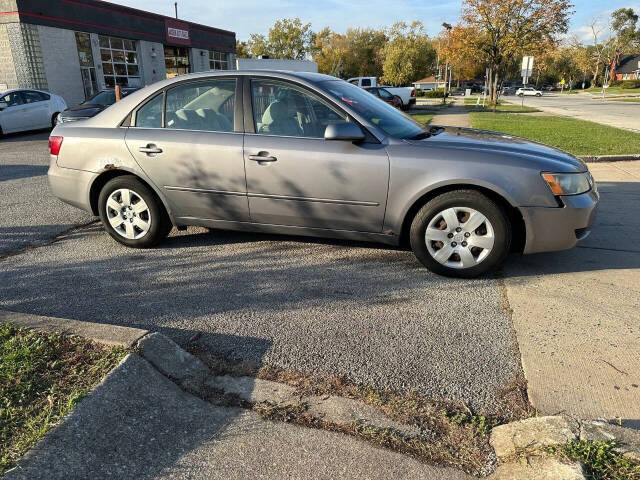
x: 136, y: 219
x: 492, y: 236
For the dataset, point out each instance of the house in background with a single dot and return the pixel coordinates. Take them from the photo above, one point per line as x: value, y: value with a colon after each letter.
x: 629, y: 68
x: 429, y: 83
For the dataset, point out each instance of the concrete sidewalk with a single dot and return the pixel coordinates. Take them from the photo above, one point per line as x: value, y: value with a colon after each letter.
x: 455, y: 116
x: 577, y: 313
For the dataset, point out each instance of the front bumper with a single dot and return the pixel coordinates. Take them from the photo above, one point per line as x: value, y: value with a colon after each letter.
x: 552, y: 229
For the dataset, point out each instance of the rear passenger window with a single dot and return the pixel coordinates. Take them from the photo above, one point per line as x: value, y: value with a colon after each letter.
x: 207, y: 106
x: 150, y: 114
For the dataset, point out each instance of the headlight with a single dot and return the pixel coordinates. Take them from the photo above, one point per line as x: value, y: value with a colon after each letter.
x: 568, y: 183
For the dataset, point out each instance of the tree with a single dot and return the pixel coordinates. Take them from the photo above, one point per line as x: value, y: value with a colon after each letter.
x: 504, y: 30
x: 356, y: 53
x: 408, y: 55
x: 626, y: 37
x: 288, y: 38
x: 242, y: 49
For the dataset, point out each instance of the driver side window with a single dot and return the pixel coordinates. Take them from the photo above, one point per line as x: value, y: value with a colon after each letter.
x: 285, y: 110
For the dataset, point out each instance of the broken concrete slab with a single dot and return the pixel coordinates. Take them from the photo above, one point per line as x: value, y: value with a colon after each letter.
x: 627, y: 440
x: 98, y: 332
x: 346, y: 411
x: 538, y: 468
x: 168, y: 357
x: 532, y: 433
x: 254, y: 390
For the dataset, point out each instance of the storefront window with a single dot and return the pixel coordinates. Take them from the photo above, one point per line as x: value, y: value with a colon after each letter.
x: 176, y: 60
x: 119, y: 62
x: 218, y: 60
x: 87, y: 68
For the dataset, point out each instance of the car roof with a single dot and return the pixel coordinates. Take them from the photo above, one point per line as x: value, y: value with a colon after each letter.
x: 24, y: 90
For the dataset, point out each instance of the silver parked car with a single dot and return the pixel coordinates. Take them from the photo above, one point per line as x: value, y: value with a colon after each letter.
x: 308, y: 154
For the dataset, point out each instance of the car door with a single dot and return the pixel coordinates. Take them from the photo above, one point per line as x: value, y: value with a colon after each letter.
x: 37, y: 109
x: 192, y: 148
x: 295, y: 177
x: 14, y: 117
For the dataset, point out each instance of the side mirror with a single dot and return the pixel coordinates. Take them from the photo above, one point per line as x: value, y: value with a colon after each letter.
x: 3, y: 105
x: 344, y: 131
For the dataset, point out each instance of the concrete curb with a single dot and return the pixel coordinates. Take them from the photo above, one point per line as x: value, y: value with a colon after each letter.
x: 609, y: 158
x: 98, y: 332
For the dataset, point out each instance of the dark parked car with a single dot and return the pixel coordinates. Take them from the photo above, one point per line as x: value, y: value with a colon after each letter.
x: 384, y: 94
x: 508, y: 91
x: 457, y: 92
x: 92, y: 106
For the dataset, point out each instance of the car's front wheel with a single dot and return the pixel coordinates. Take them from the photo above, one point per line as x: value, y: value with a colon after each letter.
x: 461, y: 233
x: 131, y: 213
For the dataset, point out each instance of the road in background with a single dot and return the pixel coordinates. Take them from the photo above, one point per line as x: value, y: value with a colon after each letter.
x: 585, y: 107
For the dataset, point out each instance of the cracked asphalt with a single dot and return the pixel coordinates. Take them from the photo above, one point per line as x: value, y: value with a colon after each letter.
x: 366, y: 311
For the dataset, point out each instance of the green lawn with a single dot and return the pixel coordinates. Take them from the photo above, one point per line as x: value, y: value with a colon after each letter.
x: 616, y: 90
x: 42, y: 377
x: 423, y: 117
x: 578, y: 137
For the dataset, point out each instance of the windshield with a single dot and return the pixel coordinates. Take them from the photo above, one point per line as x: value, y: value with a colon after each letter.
x: 389, y: 119
x: 107, y: 97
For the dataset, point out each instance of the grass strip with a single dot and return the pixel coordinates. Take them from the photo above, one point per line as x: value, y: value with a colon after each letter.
x: 578, y: 137
x: 42, y: 377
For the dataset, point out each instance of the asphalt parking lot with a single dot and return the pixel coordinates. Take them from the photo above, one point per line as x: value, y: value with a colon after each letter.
x: 366, y: 311
x: 330, y: 307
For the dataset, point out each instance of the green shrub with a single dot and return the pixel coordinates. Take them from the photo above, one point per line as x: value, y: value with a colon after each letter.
x: 437, y: 93
x: 628, y: 84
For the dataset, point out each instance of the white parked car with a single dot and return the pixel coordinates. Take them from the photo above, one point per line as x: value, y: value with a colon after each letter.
x: 406, y: 94
x: 28, y: 109
x: 528, y: 92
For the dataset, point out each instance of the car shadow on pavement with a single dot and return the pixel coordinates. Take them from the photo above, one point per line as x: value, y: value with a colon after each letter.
x: 15, y: 172
x: 314, y: 300
x: 37, y: 135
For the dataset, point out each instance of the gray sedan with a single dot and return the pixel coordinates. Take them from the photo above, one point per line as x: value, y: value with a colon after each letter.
x: 308, y: 154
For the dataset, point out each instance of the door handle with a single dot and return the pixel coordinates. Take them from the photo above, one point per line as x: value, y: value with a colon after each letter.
x: 262, y: 157
x: 150, y: 149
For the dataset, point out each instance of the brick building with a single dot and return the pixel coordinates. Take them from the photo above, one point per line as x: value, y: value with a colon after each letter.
x: 75, y: 48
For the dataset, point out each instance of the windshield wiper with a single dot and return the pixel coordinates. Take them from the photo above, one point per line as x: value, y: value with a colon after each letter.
x: 420, y: 136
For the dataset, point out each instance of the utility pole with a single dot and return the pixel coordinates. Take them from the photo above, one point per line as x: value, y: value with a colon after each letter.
x: 448, y: 28
x: 175, y: 5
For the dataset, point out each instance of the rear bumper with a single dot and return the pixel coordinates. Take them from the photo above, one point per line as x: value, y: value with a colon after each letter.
x: 552, y: 229
x: 70, y: 185
x: 412, y: 101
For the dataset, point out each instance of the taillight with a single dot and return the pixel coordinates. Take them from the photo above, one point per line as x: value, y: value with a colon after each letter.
x: 54, y: 145
x: 413, y: 93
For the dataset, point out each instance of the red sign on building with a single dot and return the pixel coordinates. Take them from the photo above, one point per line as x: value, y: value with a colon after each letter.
x: 177, y: 32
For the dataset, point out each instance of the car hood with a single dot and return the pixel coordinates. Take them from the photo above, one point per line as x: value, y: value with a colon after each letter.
x: 83, y: 110
x: 548, y: 158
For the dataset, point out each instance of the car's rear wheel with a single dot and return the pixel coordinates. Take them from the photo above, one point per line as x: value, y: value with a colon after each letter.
x: 461, y: 233
x: 131, y: 213
x: 53, y: 120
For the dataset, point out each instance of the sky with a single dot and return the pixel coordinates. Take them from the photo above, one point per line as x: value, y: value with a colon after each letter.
x: 256, y: 16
